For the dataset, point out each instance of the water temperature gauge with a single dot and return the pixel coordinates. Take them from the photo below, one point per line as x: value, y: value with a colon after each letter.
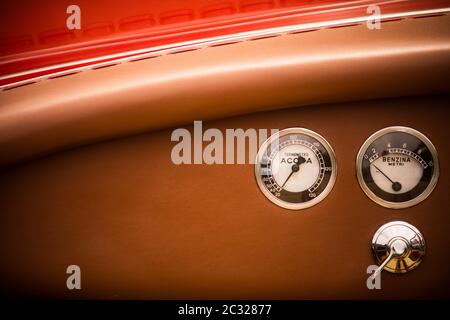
x: 397, y: 167
x: 295, y: 168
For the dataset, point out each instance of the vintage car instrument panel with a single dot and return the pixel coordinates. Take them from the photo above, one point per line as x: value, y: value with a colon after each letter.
x: 397, y: 167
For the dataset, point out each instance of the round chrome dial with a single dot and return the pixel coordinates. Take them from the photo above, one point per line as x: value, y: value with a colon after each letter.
x: 295, y: 168
x: 398, y: 246
x: 397, y: 167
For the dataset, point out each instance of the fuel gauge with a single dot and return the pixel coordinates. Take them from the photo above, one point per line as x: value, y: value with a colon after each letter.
x: 397, y: 167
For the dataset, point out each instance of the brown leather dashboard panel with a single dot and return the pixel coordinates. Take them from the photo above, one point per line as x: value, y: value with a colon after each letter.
x: 140, y: 226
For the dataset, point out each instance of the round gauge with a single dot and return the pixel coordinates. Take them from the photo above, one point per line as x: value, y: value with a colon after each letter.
x: 397, y: 167
x: 295, y: 168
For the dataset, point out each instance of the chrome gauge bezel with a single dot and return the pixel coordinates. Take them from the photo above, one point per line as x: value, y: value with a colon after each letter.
x: 326, y: 190
x: 397, y: 205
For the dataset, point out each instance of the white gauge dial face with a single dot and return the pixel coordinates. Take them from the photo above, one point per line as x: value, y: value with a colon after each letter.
x: 295, y: 168
x: 307, y: 174
x: 397, y: 167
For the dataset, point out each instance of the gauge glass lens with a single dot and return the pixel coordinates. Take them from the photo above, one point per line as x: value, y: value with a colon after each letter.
x: 397, y: 167
x: 295, y: 168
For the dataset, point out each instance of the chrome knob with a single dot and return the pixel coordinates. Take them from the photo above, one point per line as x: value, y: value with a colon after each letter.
x: 398, y: 247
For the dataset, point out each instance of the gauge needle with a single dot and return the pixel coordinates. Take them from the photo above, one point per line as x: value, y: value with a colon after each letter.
x: 295, y: 168
x: 396, y: 186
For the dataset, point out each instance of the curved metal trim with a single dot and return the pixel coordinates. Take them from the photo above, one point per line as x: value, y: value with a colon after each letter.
x: 190, y: 45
